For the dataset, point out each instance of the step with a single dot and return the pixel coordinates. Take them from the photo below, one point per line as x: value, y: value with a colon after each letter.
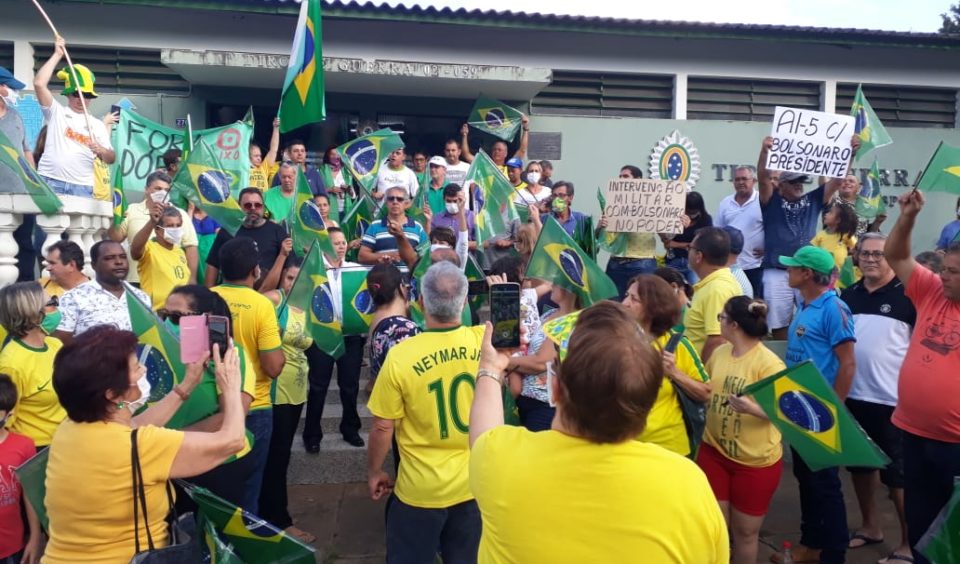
x: 333, y: 392
x: 330, y: 421
x: 336, y: 463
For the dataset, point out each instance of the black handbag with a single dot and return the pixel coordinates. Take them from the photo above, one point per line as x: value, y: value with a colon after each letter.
x: 184, y: 545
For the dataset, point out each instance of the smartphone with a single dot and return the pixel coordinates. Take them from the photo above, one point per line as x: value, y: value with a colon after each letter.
x: 194, y: 339
x: 505, y: 314
x: 477, y: 288
x: 115, y: 109
x: 218, y: 328
x: 673, y: 342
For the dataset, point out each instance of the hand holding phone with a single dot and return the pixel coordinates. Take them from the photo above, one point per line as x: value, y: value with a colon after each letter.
x: 505, y: 314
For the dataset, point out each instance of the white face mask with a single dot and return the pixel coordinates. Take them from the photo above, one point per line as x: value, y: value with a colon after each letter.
x: 452, y: 208
x: 12, y: 97
x: 173, y: 235
x: 144, y: 386
x: 533, y: 177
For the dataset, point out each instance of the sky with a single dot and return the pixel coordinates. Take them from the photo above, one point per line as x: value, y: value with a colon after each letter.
x: 889, y: 15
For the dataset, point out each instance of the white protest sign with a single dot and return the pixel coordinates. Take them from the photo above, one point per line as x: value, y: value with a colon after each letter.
x: 638, y: 205
x: 813, y: 143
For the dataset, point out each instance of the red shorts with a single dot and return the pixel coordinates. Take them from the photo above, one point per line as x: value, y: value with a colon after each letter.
x: 748, y: 489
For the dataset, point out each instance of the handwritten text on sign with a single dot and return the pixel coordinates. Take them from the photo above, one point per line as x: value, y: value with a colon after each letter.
x: 645, y: 206
x: 814, y: 143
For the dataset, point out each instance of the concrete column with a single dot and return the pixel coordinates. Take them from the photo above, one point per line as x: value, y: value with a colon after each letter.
x: 23, y: 62
x: 829, y: 99
x: 680, y: 96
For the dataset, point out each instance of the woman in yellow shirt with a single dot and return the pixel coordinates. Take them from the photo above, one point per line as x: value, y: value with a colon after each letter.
x: 741, y: 454
x: 654, y: 305
x: 28, y: 360
x: 89, y: 497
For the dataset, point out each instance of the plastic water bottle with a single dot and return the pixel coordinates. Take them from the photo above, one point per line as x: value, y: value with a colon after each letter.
x: 787, y: 554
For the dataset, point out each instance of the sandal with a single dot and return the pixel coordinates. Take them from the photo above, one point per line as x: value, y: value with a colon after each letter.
x: 895, y: 556
x: 300, y: 535
x: 866, y: 541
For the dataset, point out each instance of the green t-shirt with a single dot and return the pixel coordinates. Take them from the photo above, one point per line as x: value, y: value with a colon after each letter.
x: 435, y: 198
x: 277, y: 204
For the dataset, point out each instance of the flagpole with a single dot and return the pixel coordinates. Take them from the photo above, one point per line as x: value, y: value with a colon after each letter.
x: 922, y: 172
x: 73, y: 72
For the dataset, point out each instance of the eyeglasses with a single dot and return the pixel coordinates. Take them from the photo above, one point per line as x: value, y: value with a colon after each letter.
x: 173, y: 316
x: 872, y: 255
x: 721, y: 317
x: 396, y: 198
x: 252, y: 206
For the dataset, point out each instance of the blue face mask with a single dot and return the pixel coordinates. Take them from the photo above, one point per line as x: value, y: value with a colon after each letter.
x: 51, y: 321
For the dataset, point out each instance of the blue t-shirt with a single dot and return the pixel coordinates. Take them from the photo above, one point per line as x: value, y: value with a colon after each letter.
x: 787, y: 226
x: 379, y: 240
x: 817, y: 328
x: 948, y: 235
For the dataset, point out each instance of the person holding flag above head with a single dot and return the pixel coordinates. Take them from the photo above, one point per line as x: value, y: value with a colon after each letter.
x: 263, y: 167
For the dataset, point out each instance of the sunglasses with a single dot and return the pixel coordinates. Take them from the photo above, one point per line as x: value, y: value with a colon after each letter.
x: 252, y: 206
x: 173, y: 316
x: 396, y: 199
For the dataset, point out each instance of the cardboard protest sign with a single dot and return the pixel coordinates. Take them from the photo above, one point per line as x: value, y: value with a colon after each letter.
x: 810, y: 142
x: 639, y: 205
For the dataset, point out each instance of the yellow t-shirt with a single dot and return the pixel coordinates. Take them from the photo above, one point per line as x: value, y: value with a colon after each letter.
x: 665, y: 422
x: 255, y: 329
x: 746, y: 439
x: 161, y: 270
x: 38, y: 412
x: 89, y: 490
x: 260, y: 176
x: 426, y: 384
x: 837, y: 245
x: 292, y: 385
x: 101, y: 181
x: 710, y: 294
x: 550, y: 497
x: 640, y: 245
x: 51, y: 287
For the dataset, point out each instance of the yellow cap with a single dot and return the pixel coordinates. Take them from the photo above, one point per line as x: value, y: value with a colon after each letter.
x: 84, y: 76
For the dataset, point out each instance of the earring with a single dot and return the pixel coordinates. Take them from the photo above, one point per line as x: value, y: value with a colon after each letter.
x: 121, y: 405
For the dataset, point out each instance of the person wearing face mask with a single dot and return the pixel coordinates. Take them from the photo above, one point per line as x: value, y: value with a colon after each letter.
x: 531, y: 191
x: 575, y: 223
x: 456, y: 217
x: 89, y: 497
x: 11, y: 125
x: 156, y: 189
x: 339, y: 182
x: 162, y: 263
x: 28, y: 360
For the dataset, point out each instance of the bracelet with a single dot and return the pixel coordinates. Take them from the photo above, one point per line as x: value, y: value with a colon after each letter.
x: 484, y: 373
x: 179, y: 391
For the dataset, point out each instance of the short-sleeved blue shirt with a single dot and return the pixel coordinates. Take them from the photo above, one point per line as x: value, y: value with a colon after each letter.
x: 817, y: 328
x: 787, y: 226
x: 379, y: 240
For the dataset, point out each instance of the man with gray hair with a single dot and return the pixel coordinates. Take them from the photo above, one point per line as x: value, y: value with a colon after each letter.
x: 379, y: 244
x: 424, y: 391
x: 742, y: 210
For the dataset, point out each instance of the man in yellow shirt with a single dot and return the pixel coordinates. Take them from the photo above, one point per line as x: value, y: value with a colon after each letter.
x: 708, y: 256
x: 424, y: 390
x: 162, y: 263
x: 64, y: 263
x: 263, y: 167
x: 255, y: 328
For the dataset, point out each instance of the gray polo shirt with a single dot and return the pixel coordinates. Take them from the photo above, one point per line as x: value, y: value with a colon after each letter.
x: 12, y: 126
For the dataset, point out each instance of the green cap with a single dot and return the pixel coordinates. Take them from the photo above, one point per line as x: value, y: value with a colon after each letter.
x: 814, y: 258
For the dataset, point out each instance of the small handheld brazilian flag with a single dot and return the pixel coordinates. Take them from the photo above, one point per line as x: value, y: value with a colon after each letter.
x: 119, y: 197
x: 867, y: 125
x: 806, y: 410
x: 312, y: 293
x: 203, y: 181
x: 357, y: 302
x: 160, y: 348
x: 495, y: 118
x: 306, y: 222
x: 559, y: 260
x: 495, y: 197
x: 868, y: 199
x: 943, y: 171
x: 613, y: 243
x: 363, y: 156
x: 41, y: 194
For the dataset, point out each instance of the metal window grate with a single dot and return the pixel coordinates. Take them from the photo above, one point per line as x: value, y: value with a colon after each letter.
x: 747, y: 99
x: 904, y: 106
x: 606, y: 94
x: 121, y: 70
x: 6, y: 55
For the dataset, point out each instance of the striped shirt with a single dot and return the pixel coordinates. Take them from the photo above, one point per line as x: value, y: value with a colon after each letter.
x: 379, y: 240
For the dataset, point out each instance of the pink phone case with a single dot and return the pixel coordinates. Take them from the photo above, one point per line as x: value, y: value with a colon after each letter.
x: 194, y: 338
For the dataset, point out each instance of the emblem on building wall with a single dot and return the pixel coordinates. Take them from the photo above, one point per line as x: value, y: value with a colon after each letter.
x: 675, y: 158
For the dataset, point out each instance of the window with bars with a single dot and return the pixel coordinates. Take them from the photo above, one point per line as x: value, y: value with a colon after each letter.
x: 747, y: 99
x: 904, y: 106
x: 6, y: 55
x: 121, y: 70
x: 606, y: 94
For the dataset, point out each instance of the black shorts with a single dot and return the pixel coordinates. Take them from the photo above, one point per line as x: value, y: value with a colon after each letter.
x: 875, y: 420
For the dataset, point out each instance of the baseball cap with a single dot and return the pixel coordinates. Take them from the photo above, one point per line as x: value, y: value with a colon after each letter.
x: 736, y: 239
x: 811, y: 257
x: 437, y: 161
x: 514, y: 163
x: 7, y: 79
x: 793, y: 177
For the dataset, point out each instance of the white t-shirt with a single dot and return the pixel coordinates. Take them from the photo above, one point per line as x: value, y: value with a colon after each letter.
x: 406, y: 178
x: 66, y: 156
x: 457, y: 173
x: 748, y: 219
x: 525, y: 197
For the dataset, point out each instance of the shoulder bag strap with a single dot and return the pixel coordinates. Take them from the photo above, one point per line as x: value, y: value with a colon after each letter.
x: 139, y: 495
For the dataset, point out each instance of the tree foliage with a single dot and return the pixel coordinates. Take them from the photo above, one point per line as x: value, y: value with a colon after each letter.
x: 951, y: 20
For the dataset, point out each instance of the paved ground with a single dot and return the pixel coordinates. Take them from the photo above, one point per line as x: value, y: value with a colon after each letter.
x: 349, y: 526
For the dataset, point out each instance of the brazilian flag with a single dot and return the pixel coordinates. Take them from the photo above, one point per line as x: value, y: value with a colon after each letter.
x: 302, y: 101
x: 204, y: 181
x: 496, y: 118
x: 868, y: 199
x: 559, y: 330
x: 867, y: 125
x: 613, y: 243
x: 805, y: 409
x: 311, y: 293
x: 357, y: 301
x: 941, y: 542
x: 364, y: 155
x: 45, y: 199
x: 496, y: 207
x: 559, y: 260
x: 306, y: 223
x: 159, y: 348
x: 943, y: 171
x: 233, y: 535
x: 32, y: 475
x: 119, y: 197
x: 356, y: 221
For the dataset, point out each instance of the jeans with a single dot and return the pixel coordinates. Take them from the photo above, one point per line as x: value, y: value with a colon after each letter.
x: 273, y: 489
x: 27, y: 249
x: 260, y: 424
x: 414, y: 533
x: 823, y: 516
x: 14, y: 558
x: 755, y: 276
x: 348, y: 379
x: 535, y: 415
x: 69, y: 188
x: 621, y: 270
x: 929, y: 468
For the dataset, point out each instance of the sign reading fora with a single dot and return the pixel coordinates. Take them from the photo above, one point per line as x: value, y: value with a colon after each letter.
x: 814, y: 143
x: 645, y: 206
